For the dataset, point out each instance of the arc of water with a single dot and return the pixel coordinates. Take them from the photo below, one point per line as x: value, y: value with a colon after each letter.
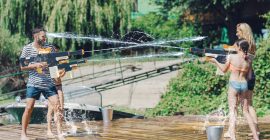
x: 160, y: 43
x: 123, y: 48
x: 148, y: 35
x: 100, y: 39
x: 95, y: 38
x: 143, y: 56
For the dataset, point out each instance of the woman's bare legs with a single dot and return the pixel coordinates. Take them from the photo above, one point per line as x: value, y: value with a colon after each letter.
x: 251, y: 109
x: 246, y: 113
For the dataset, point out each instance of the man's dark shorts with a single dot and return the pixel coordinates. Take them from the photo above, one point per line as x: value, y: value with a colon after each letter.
x: 251, y: 82
x: 34, y: 92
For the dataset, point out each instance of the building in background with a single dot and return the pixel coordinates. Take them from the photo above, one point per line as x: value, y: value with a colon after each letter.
x: 143, y: 7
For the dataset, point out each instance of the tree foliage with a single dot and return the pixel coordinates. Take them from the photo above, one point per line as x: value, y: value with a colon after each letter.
x: 163, y: 28
x: 10, y: 47
x: 223, y: 7
x: 267, y: 17
x: 88, y: 17
x: 225, y: 13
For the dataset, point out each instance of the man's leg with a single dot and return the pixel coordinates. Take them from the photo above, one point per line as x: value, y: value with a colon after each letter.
x: 26, y: 117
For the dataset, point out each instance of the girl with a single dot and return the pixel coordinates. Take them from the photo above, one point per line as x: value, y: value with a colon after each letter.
x: 240, y: 66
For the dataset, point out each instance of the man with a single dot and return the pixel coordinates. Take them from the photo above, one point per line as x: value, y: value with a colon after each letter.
x: 39, y: 81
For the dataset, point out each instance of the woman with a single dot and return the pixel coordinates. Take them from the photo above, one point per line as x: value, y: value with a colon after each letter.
x: 240, y: 67
x: 244, y: 31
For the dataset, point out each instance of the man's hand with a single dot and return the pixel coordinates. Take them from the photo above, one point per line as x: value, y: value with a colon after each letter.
x: 62, y: 72
x: 37, y: 65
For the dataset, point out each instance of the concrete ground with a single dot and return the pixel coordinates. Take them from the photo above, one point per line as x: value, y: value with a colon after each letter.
x: 142, y: 94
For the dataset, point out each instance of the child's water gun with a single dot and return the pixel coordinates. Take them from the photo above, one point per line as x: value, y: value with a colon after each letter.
x: 219, y: 55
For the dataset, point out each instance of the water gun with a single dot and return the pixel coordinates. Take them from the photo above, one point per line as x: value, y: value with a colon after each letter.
x: 229, y: 47
x: 219, y: 55
x: 70, y: 65
x: 51, y: 59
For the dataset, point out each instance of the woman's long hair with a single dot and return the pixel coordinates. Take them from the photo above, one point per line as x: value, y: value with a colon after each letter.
x: 248, y: 36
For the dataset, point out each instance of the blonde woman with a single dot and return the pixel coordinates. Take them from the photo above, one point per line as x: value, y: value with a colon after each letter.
x: 244, y: 31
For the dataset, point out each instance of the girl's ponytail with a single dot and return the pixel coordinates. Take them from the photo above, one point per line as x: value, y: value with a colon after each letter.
x: 246, y: 55
x: 244, y: 46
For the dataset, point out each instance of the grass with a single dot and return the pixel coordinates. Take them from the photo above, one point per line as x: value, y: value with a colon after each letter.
x: 6, y: 101
x: 130, y: 110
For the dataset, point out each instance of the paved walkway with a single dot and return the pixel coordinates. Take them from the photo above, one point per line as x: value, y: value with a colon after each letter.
x: 142, y: 94
x: 161, y: 128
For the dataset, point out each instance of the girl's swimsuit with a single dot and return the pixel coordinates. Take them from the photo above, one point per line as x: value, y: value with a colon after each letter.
x: 238, y: 86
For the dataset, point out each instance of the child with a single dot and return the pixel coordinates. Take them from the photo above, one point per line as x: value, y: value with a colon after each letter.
x: 240, y: 66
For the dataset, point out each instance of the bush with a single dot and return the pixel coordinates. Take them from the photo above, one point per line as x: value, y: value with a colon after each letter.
x: 196, y: 90
x: 262, y: 70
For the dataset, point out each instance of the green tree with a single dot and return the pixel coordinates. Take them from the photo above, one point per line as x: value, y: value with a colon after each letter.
x: 10, y: 47
x: 224, y: 11
x: 164, y: 28
x: 88, y: 17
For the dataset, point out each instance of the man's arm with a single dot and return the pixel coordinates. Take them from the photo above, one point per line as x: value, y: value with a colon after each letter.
x: 30, y: 66
x: 33, y: 66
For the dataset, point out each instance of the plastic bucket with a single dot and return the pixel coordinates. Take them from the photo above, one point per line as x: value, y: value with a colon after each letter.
x: 107, y: 114
x: 214, y: 132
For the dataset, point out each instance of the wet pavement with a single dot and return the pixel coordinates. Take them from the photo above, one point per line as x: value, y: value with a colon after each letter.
x: 160, y: 128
